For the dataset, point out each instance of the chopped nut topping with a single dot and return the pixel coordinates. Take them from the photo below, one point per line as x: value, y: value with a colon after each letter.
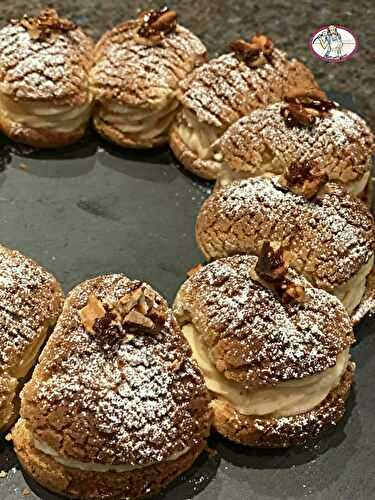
x: 255, y: 53
x: 305, y: 178
x: 93, y: 311
x: 46, y: 24
x: 194, y: 270
x: 156, y: 24
x: 137, y: 310
x: 304, y: 106
x: 273, y: 261
x: 272, y: 267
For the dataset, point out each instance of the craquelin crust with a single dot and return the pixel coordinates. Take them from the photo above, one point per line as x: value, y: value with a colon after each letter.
x: 330, y: 237
x: 76, y: 483
x: 51, y: 70
x: 225, y: 89
x: 339, y: 142
x: 129, y: 72
x: 281, y: 432
x: 224, y: 301
x: 114, y: 398
x: 60, y: 65
x: 30, y: 302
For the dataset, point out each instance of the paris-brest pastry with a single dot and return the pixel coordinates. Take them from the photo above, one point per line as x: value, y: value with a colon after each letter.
x: 116, y: 407
x: 274, y: 351
x: 30, y: 302
x: 330, y: 237
x: 44, y: 95
x: 254, y: 74
x: 305, y: 131
x: 138, y: 66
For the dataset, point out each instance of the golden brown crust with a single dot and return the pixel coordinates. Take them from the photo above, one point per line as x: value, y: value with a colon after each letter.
x: 330, y: 237
x: 142, y: 76
x: 252, y: 337
x: 38, y: 138
x: 107, y: 131
x: 207, y: 169
x: 76, y: 483
x: 30, y: 302
x: 133, y: 73
x: 281, y: 432
x: 225, y: 89
x: 54, y: 69
x: 340, y: 143
x: 126, y: 410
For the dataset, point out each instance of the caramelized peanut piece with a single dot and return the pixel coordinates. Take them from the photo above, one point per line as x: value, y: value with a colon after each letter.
x: 156, y: 24
x: 46, y: 24
x: 256, y: 52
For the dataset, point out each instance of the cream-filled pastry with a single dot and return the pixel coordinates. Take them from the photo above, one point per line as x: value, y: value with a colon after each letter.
x: 304, y: 135
x: 30, y: 302
x: 44, y: 93
x: 220, y: 92
x: 138, y: 66
x: 116, y: 407
x: 330, y: 238
x: 274, y: 351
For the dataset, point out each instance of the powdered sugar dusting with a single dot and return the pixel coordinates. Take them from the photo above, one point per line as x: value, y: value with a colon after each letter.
x: 251, y: 335
x: 262, y: 141
x: 330, y: 238
x: 56, y: 68
x: 225, y: 88
x: 130, y: 396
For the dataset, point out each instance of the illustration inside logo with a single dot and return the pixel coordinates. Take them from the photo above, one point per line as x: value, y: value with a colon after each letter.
x: 333, y: 43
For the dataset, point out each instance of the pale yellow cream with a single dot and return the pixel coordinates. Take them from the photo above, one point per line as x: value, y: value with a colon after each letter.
x: 42, y: 115
x: 199, y: 137
x: 147, y: 123
x: 90, y: 466
x: 283, y: 399
x: 351, y: 292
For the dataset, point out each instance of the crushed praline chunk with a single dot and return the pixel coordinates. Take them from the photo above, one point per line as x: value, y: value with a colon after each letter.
x: 256, y: 52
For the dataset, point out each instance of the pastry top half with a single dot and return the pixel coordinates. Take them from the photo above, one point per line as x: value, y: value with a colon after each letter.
x: 253, y: 336
x: 269, y: 140
x: 139, y: 63
x: 30, y: 302
x: 330, y: 237
x: 46, y: 58
x: 116, y: 383
x: 230, y: 86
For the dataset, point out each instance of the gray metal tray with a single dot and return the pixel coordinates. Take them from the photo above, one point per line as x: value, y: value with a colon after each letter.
x: 94, y: 209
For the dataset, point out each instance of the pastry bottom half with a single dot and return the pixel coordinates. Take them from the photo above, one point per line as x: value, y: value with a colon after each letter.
x: 38, y: 137
x: 281, y: 432
x: 77, y: 483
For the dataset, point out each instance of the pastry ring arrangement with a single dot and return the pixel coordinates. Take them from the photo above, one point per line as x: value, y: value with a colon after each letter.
x: 257, y: 344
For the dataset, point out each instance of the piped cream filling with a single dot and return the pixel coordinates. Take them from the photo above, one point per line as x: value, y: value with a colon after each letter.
x: 357, y: 187
x: 43, y: 115
x: 94, y: 467
x: 146, y: 123
x: 199, y: 137
x: 287, y: 398
x: 228, y: 175
x: 351, y: 292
